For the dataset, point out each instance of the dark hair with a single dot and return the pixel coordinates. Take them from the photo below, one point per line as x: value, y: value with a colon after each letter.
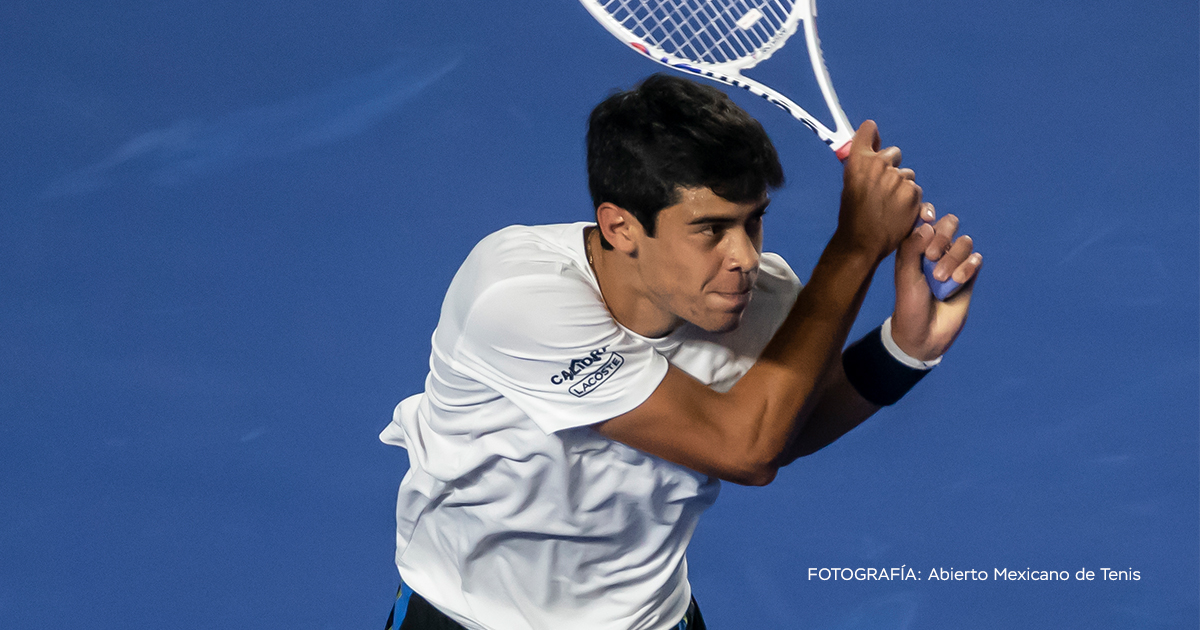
x: 668, y: 133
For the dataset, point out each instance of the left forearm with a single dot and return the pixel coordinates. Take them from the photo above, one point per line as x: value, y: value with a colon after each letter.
x: 839, y: 410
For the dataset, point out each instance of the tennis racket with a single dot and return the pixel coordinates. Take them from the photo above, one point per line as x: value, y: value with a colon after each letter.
x: 719, y: 39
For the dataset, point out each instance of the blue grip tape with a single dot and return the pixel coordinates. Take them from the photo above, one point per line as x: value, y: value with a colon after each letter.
x: 942, y: 289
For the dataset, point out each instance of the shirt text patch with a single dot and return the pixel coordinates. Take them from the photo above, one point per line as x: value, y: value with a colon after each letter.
x: 587, y: 384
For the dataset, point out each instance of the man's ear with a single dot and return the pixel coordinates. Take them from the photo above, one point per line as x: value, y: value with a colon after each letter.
x: 619, y: 227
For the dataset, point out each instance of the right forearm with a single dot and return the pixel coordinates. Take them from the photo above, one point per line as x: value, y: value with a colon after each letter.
x: 879, y: 206
x: 783, y: 386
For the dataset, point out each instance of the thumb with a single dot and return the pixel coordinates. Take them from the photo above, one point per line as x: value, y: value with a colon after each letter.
x: 866, y: 139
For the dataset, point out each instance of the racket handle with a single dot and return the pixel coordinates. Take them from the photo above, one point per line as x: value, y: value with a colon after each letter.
x: 941, y: 289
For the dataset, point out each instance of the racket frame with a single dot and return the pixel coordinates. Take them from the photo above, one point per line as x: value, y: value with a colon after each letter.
x: 803, y: 13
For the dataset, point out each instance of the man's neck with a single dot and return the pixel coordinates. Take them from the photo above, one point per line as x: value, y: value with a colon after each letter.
x: 624, y: 294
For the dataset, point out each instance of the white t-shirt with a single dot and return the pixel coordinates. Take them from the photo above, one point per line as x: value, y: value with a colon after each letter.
x: 515, y: 514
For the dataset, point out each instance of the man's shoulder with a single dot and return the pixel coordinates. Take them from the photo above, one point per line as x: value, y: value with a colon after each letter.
x: 776, y: 277
x: 525, y: 250
x: 521, y: 273
x: 554, y: 240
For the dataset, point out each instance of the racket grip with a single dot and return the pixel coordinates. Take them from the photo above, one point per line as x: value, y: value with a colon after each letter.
x: 941, y: 289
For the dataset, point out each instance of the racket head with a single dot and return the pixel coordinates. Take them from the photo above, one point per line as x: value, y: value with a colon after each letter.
x: 725, y: 35
x: 718, y: 39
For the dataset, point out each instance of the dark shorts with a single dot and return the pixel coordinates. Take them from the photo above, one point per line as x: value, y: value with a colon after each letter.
x: 412, y: 612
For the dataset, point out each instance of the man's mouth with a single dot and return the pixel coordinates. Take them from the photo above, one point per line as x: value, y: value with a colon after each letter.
x: 736, y: 299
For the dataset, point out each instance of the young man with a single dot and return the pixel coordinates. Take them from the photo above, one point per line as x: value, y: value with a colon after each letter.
x: 590, y: 384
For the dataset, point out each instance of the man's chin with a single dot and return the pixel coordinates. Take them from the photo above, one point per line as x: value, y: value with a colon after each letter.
x: 727, y: 322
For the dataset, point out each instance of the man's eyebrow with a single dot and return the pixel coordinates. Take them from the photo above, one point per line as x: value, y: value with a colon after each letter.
x: 711, y: 219
x: 758, y: 210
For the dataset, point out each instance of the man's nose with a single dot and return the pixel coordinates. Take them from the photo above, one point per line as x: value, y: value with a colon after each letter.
x: 743, y: 253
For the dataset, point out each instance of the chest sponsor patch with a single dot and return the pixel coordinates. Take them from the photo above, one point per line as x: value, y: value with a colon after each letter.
x: 590, y: 381
x: 577, y: 366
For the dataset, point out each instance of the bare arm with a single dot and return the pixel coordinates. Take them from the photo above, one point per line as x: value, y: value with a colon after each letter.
x: 839, y: 410
x: 741, y: 435
x: 841, y: 407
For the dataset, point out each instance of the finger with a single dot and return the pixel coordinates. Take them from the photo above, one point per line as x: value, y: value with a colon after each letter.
x: 953, y: 258
x: 928, y: 214
x: 916, y: 192
x: 866, y: 138
x: 908, y: 257
x: 967, y: 270
x: 962, y: 299
x: 944, y: 229
x: 907, y: 196
x: 892, y: 155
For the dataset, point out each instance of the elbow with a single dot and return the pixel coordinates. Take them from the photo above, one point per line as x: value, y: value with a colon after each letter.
x: 762, y: 477
x: 749, y: 455
x: 759, y: 474
x: 753, y: 464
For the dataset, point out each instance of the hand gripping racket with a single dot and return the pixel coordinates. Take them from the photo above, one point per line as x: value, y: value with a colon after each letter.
x: 718, y: 39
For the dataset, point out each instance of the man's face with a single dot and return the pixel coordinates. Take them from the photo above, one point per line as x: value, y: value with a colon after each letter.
x: 703, y: 259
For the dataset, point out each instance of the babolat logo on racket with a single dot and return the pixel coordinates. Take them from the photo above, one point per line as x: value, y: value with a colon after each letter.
x: 589, y: 382
x: 577, y: 366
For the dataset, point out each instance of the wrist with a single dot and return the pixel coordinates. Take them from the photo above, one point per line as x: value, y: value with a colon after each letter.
x: 850, y: 248
x: 902, y: 355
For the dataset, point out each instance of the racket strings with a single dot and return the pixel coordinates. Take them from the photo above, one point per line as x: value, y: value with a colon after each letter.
x: 710, y: 32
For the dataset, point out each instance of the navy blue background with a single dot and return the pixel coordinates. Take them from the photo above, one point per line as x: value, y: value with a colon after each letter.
x: 226, y: 227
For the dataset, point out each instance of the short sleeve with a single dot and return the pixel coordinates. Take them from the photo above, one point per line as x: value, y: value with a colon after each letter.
x: 547, y: 343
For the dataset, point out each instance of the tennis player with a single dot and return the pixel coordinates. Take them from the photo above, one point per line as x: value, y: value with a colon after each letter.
x: 591, y: 384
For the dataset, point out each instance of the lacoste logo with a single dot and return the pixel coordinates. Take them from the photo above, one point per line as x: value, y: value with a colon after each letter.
x: 577, y: 366
x: 594, y: 379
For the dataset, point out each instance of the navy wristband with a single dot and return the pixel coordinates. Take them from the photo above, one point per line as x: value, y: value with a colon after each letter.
x: 875, y: 373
